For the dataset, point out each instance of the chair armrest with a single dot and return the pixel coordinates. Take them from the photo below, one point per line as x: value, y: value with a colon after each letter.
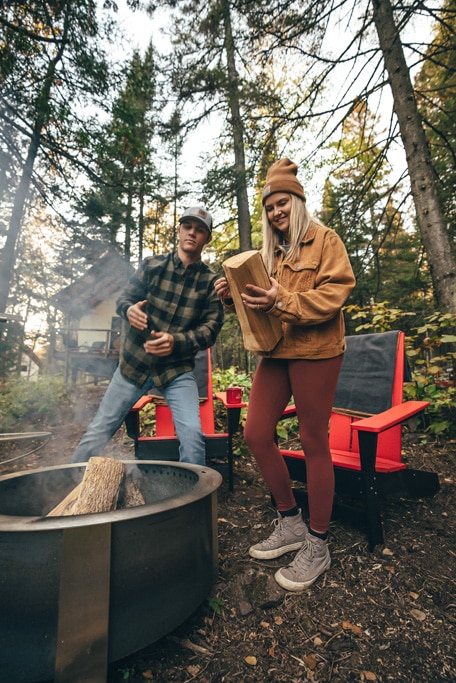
x: 390, y: 418
x: 141, y: 402
x: 233, y: 412
x: 221, y: 396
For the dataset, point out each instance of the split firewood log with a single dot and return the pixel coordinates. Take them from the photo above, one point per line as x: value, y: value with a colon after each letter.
x: 130, y: 494
x: 98, y: 491
x: 65, y: 507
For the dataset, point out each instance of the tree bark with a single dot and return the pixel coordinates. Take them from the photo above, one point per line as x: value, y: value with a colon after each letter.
x: 244, y: 222
x: 431, y: 223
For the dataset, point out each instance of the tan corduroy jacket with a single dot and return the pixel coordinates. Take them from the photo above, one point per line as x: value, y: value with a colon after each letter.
x: 310, y: 298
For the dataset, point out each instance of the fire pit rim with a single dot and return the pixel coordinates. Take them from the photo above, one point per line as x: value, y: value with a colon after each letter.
x: 208, y: 481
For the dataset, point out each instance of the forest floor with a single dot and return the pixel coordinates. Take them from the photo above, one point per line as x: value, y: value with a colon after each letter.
x: 386, y: 615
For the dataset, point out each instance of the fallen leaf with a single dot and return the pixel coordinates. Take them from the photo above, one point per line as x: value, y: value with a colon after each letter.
x: 251, y: 660
x: 348, y: 626
x: 387, y: 551
x: 369, y: 676
x: 264, y: 624
x: 317, y: 641
x: 193, y: 669
x: 271, y: 652
x: 417, y: 614
x: 310, y: 661
x: 148, y: 675
x: 278, y: 621
x: 415, y: 596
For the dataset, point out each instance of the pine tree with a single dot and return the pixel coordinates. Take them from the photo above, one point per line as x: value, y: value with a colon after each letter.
x: 51, y: 65
x: 436, y: 94
x: 125, y: 159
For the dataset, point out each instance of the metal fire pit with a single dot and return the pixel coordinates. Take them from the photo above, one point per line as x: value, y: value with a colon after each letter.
x: 81, y: 591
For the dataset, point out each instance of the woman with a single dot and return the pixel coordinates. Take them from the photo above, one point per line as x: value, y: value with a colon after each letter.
x: 311, y: 278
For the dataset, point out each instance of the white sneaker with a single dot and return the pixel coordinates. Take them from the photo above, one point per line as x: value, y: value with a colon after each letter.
x: 289, y: 534
x: 310, y: 562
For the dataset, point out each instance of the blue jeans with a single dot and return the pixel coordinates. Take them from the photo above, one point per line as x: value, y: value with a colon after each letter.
x: 182, y: 397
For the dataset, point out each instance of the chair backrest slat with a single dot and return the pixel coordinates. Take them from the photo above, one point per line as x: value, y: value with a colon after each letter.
x: 371, y: 380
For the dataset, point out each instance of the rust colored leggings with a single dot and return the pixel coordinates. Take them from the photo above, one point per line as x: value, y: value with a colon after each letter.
x: 312, y: 383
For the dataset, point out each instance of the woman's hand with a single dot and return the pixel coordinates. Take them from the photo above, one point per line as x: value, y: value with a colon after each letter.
x: 222, y: 288
x: 259, y: 299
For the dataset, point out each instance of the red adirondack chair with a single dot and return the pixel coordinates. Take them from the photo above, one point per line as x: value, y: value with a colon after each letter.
x: 163, y: 444
x: 365, y: 433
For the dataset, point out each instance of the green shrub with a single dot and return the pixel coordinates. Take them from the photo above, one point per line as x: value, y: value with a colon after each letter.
x: 431, y: 351
x: 432, y: 355
x: 21, y: 400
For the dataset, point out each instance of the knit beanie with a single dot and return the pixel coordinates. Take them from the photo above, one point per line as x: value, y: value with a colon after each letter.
x: 281, y: 177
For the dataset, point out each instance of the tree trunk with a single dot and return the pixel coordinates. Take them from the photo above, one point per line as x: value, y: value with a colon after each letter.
x: 128, y: 225
x: 8, y: 257
x: 141, y: 226
x: 9, y: 250
x: 431, y: 223
x: 244, y: 222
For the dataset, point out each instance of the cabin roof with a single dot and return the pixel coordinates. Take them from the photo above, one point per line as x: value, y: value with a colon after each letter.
x: 104, y: 280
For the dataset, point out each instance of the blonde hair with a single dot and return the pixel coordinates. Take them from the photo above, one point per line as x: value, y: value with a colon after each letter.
x: 300, y: 220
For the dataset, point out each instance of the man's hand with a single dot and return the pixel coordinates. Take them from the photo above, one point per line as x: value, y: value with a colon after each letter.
x: 222, y: 288
x: 161, y: 344
x: 136, y: 316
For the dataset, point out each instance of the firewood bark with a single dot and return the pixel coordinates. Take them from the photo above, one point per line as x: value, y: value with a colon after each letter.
x: 260, y: 331
x: 98, y: 491
x: 100, y: 486
x: 130, y: 495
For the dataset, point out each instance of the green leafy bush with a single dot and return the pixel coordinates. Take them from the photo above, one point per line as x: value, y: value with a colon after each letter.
x: 21, y: 400
x: 432, y: 354
x: 431, y: 351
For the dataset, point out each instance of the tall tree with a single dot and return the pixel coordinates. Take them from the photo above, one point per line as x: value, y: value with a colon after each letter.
x: 205, y: 75
x: 172, y: 133
x: 51, y: 64
x: 218, y: 78
x: 305, y: 30
x: 353, y: 199
x: 436, y: 93
x: 125, y: 151
x: 233, y: 94
x: 429, y: 214
x: 361, y: 204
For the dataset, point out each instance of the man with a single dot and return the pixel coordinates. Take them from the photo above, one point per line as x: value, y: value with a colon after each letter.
x: 170, y: 311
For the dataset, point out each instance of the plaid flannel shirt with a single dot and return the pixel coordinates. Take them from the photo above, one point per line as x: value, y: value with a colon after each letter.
x: 181, y: 301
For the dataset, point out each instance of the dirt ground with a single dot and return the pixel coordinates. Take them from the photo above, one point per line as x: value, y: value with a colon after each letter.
x: 386, y: 615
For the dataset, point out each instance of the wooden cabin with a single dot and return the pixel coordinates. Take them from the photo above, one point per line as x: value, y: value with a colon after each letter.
x: 90, y: 337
